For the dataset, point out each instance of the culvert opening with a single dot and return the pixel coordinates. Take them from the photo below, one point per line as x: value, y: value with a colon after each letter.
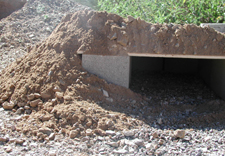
x: 178, y: 80
x: 8, y: 6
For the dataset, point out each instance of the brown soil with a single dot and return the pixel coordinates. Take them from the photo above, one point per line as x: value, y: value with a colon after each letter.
x: 118, y: 36
x: 9, y: 6
x: 51, y: 83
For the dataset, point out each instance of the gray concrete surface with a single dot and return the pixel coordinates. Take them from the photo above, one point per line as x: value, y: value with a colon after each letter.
x: 217, y: 26
x: 114, y: 69
x: 213, y: 72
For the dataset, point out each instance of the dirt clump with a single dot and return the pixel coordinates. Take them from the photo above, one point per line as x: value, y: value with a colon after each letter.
x: 59, y: 96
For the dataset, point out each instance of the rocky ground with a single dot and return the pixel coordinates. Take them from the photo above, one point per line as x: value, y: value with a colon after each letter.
x: 46, y: 110
x: 31, y: 24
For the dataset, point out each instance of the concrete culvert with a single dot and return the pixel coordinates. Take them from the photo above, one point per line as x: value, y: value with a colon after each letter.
x: 9, y: 6
x: 178, y: 80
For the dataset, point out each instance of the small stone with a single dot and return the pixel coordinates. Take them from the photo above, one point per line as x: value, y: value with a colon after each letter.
x: 128, y: 133
x: 45, y: 130
x: 100, y: 132
x: 8, y: 106
x: 59, y: 95
x: 21, y: 104
x: 45, y: 95
x: 57, y: 89
x: 179, y: 133
x: 110, y: 132
x: 114, y: 37
x: 5, y: 97
x: 159, y: 120
x: 155, y: 135
x: 28, y: 111
x: 88, y: 132
x: 19, y: 141
x: 3, y: 139
x: 207, y: 138
x: 52, y: 153
x: 26, y: 116
x: 161, y: 142
x: 30, y: 97
x: 20, y: 111
x: 37, y: 95
x: 151, y: 146
x: 109, y: 99
x: 52, y: 136
x: 8, y: 149
x: 121, y: 151
x: 105, y: 93
x: 26, y: 107
x: 73, y: 134
x: 113, y: 144
x: 138, y: 142
x: 35, y: 102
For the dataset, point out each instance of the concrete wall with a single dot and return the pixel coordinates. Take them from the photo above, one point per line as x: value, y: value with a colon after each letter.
x: 114, y: 69
x: 213, y: 72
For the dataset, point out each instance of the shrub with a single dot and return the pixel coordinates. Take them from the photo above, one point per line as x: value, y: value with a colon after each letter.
x: 170, y: 11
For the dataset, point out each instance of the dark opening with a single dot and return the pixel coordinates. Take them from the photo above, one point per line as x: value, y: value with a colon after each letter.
x: 172, y: 80
x: 7, y: 7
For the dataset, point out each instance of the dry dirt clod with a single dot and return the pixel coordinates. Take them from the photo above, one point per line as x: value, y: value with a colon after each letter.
x: 5, y: 97
x: 59, y: 95
x: 73, y: 133
x: 8, y: 149
x: 88, y: 132
x: 30, y: 97
x: 3, y: 139
x: 52, y: 136
x: 35, y: 102
x: 8, y: 105
x: 179, y: 133
x: 128, y: 133
x: 45, y: 95
x: 45, y: 130
x: 37, y: 95
x: 155, y: 135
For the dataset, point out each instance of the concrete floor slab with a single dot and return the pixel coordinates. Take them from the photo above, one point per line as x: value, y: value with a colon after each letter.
x: 217, y: 26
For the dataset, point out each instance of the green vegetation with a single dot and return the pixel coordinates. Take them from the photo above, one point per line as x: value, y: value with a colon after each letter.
x: 170, y: 11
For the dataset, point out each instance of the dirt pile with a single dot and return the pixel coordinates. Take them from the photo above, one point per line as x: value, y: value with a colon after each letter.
x: 118, y: 36
x: 8, y: 6
x: 49, y: 82
x: 51, y: 86
x: 31, y: 24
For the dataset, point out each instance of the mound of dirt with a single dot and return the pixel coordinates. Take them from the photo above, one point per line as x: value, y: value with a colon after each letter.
x: 8, y: 6
x: 31, y: 24
x: 49, y: 81
x: 118, y: 36
x: 50, y: 84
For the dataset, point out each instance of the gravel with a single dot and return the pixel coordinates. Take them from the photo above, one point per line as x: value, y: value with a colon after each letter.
x: 31, y: 24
